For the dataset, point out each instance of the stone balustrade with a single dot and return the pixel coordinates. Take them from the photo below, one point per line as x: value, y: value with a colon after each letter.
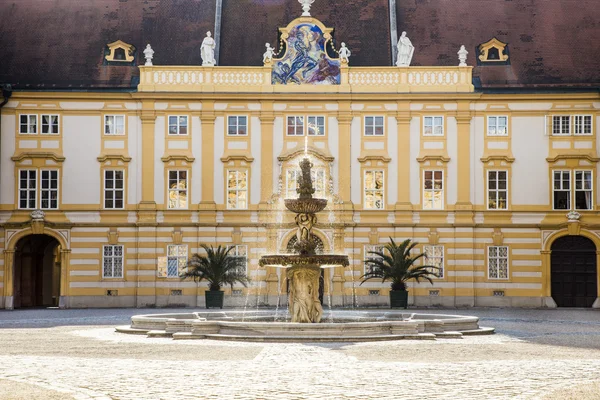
x: 258, y: 80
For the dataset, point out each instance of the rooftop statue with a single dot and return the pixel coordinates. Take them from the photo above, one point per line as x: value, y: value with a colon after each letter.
x: 207, y: 50
x: 405, y: 51
x: 344, y: 53
x: 306, y: 7
x: 148, y: 54
x: 268, y: 54
x: 462, y: 56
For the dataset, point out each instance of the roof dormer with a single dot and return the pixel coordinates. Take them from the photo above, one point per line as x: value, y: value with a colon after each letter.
x: 120, y: 52
x: 493, y: 51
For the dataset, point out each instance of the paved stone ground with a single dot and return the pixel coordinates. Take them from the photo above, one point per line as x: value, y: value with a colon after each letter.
x: 75, y: 354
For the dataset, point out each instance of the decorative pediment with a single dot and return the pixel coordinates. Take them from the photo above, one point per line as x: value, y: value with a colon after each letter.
x: 435, y: 158
x: 493, y: 51
x: 573, y: 157
x: 35, y: 155
x: 500, y: 158
x: 114, y: 157
x: 294, y: 152
x: 183, y: 158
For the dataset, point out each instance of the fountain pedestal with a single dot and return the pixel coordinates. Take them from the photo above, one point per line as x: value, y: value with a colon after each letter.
x: 304, y: 304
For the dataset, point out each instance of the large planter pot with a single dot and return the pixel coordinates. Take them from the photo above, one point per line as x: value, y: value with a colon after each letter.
x: 214, y: 298
x: 398, y: 298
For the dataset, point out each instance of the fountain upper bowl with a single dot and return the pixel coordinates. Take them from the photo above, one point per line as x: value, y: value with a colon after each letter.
x: 292, y: 260
x: 305, y: 206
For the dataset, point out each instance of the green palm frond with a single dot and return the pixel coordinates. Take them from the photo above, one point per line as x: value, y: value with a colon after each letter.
x: 217, y: 267
x: 396, y: 264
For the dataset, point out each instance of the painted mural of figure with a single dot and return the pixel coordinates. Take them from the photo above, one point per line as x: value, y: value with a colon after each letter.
x: 405, y: 51
x: 325, y: 71
x: 207, y: 50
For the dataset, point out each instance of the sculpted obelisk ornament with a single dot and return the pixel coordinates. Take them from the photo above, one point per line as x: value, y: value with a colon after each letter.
x: 306, y: 7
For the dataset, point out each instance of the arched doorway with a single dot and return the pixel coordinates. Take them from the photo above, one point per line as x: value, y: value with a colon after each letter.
x: 320, y: 249
x: 573, y: 272
x: 37, y: 272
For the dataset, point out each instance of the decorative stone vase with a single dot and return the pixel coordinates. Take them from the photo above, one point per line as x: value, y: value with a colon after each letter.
x: 399, y: 299
x: 214, y: 298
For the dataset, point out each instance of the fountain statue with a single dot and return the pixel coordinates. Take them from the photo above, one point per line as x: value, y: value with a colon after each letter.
x: 304, y: 267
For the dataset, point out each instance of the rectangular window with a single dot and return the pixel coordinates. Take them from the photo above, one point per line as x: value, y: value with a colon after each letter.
x: 562, y: 190
x: 561, y: 125
x: 49, y: 189
x: 50, y: 124
x: 177, y: 256
x: 237, y: 189
x: 316, y: 126
x: 295, y: 126
x: 369, y: 248
x: 27, y: 188
x: 28, y: 123
x: 433, y: 190
x: 583, y: 190
x: 583, y: 124
x: 114, y: 189
x: 240, y: 251
x: 433, y: 126
x: 498, y: 262
x: 374, y: 194
x: 497, y: 190
x: 373, y: 126
x: 497, y: 126
x: 434, y: 255
x: 178, y: 125
x: 178, y: 190
x: 114, y: 125
x: 112, y: 261
x: 237, y: 125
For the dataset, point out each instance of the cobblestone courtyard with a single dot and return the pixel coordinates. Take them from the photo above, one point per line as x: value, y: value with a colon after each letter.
x: 75, y: 354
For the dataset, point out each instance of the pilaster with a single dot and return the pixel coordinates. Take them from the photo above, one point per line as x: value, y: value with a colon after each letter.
x: 65, y: 256
x: 403, y: 205
x: 344, y: 118
x: 147, y: 206
x: 464, y: 207
x: 267, y: 118
x: 207, y: 120
x: 9, y: 258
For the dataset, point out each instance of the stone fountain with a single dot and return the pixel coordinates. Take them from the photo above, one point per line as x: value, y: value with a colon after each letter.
x: 304, y: 267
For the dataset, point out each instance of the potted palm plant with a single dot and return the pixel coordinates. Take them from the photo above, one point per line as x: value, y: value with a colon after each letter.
x: 396, y: 264
x: 219, y: 268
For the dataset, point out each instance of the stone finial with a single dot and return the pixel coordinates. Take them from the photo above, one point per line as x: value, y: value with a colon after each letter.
x: 405, y: 51
x: 148, y: 54
x: 344, y: 53
x: 306, y: 7
x: 462, y: 56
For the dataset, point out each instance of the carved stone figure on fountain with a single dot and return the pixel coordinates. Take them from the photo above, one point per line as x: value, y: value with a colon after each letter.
x: 304, y: 305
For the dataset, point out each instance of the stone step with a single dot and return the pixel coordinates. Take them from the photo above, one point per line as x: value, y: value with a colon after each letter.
x: 250, y: 338
x: 481, y: 331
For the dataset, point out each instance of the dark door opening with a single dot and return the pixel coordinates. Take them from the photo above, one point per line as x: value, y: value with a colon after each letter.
x: 37, y: 272
x: 574, y: 272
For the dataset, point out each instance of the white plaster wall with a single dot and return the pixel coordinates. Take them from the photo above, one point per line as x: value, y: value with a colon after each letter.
x: 452, y: 148
x: 256, y: 150
x: 530, y: 183
x: 334, y: 147
x: 477, y: 148
x: 415, y: 145
x: 159, y: 165
x: 81, y: 170
x: 277, y: 149
x: 134, y: 187
x: 219, y: 182
x: 196, y: 181
x: 7, y: 178
x: 392, y: 148
x: 355, y: 177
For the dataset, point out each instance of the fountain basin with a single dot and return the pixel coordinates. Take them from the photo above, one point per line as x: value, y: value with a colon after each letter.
x: 341, y: 326
x: 287, y: 260
x: 305, y: 206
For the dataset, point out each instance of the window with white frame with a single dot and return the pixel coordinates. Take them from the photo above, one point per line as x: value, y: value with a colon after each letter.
x: 561, y: 125
x: 583, y: 190
x: 316, y: 125
x: 434, y: 256
x: 28, y: 123
x: 49, y: 189
x: 178, y: 124
x: 240, y: 252
x: 49, y: 124
x: 498, y: 262
x: 433, y: 126
x: 112, y: 261
x: 237, y: 189
x: 114, y: 124
x: 295, y: 125
x: 178, y: 190
x: 562, y: 190
x: 237, y: 125
x: 374, y: 190
x: 497, y: 126
x: 27, y: 188
x: 368, y: 253
x: 292, y: 180
x: 582, y: 124
x: 374, y: 126
x: 114, y: 189
x: 177, y: 258
x: 433, y: 190
x: 497, y: 190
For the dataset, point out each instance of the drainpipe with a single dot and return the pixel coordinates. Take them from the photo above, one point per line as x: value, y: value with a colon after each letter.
x: 393, y: 30
x: 217, y: 33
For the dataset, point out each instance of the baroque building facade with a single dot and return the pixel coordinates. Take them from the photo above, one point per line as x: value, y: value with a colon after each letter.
x: 106, y: 193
